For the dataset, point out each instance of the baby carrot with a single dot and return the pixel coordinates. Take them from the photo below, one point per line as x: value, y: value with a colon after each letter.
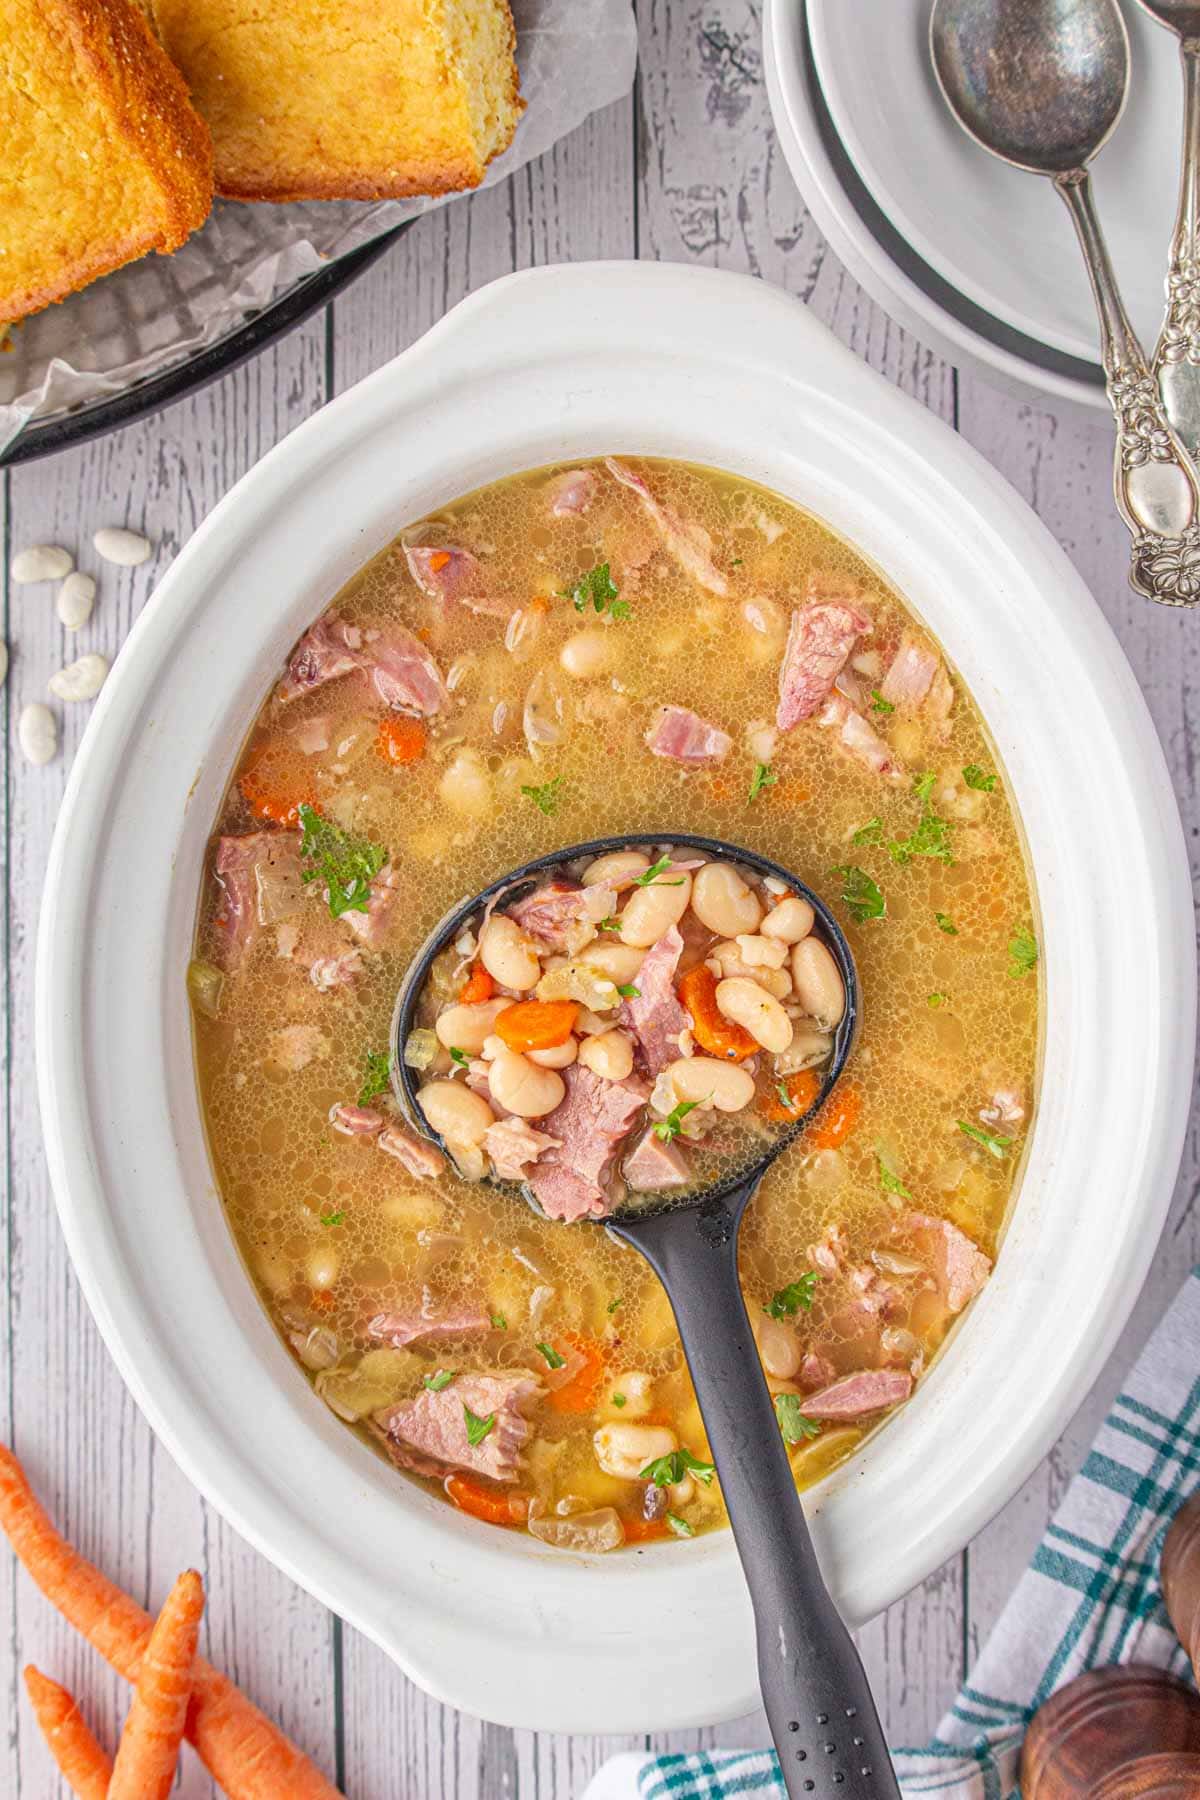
x: 81, y: 1762
x: 837, y: 1118
x: 245, y: 1753
x: 478, y: 986
x: 148, y: 1753
x: 498, y: 1506
x: 790, y: 1099
x: 400, y: 740
x: 579, y: 1394
x: 537, y: 1024
x: 711, y: 1029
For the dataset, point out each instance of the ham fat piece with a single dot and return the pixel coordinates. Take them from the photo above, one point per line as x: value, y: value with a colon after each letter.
x: 684, y: 737
x: 689, y: 544
x: 820, y: 640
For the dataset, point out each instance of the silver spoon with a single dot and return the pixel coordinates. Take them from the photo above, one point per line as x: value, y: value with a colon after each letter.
x: 1177, y: 354
x: 815, y: 1691
x: 1041, y: 84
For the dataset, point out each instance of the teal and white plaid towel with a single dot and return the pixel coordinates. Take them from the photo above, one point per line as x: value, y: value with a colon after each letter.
x: 1091, y: 1595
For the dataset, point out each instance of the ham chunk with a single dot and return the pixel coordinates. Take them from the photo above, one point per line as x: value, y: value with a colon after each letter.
x: 653, y: 1167
x: 357, y: 1121
x: 370, y: 927
x: 429, y: 1434
x: 296, y: 1046
x: 396, y: 665
x: 571, y: 492
x: 428, y: 1325
x: 513, y: 1146
x: 563, y: 916
x: 326, y: 652
x: 568, y: 1183
x: 820, y: 639
x: 452, y: 576
x: 910, y: 675
x: 654, y: 1015
x: 861, y: 740
x: 684, y: 737
x: 855, y: 1395
x: 419, y: 1157
x: 253, y: 871
x: 961, y: 1268
x: 689, y: 544
x: 328, y: 972
x: 815, y: 1371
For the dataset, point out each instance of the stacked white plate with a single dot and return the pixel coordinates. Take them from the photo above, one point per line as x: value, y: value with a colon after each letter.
x: 978, y: 260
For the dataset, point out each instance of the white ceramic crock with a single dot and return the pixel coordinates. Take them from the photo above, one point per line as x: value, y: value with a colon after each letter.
x: 562, y: 363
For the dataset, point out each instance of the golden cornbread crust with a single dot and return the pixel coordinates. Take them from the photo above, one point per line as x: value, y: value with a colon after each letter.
x: 323, y: 100
x: 109, y: 161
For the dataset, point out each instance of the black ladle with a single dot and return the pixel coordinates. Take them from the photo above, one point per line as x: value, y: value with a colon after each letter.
x: 814, y: 1688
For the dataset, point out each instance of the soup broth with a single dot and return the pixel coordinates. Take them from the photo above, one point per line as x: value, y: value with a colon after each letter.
x: 611, y: 648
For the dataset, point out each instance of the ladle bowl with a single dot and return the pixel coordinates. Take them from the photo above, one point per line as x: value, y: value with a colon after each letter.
x: 815, y: 1691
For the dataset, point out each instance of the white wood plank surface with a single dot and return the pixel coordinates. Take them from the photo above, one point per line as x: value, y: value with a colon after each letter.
x: 686, y: 170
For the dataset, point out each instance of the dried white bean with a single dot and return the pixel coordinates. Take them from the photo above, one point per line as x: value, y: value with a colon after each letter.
x: 636, y: 1389
x: 705, y: 1081
x: 749, y: 1005
x: 589, y: 653
x: 509, y: 954
x: 818, y: 982
x: 778, y: 1346
x: 807, y: 1048
x: 726, y: 960
x: 75, y: 598
x: 761, y: 952
x: 466, y: 786
x: 468, y: 1027
x: 82, y: 679
x: 41, y: 562
x: 790, y: 921
x: 520, y: 1087
x: 321, y: 1266
x: 117, y: 545
x: 620, y: 962
x: 723, y: 901
x: 617, y: 869
x: 37, y: 733
x: 624, y: 1449
x: 560, y: 1057
x: 651, y: 911
x: 460, y: 1115
x: 609, y: 1054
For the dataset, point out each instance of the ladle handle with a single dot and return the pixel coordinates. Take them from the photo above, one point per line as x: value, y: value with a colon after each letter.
x: 1177, y: 354
x: 818, y: 1702
x: 1154, y: 482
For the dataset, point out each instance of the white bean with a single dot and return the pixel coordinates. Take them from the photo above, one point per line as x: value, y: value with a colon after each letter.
x: 617, y: 869
x: 520, y: 1087
x: 609, y: 1055
x: 651, y: 911
x: 74, y: 602
x: 636, y: 1389
x: 41, y: 562
x: 624, y: 1449
x: 750, y: 1006
x: 455, y: 1112
x: 588, y: 653
x: 818, y: 982
x: 620, y: 962
x: 468, y: 1027
x: 726, y: 959
x: 704, y: 1080
x: 790, y: 921
x: 80, y: 680
x: 466, y: 786
x: 116, y: 545
x: 509, y: 954
x: 321, y: 1266
x: 778, y: 1346
x: 761, y: 952
x: 560, y: 1057
x: 807, y: 1048
x: 37, y: 733
x: 590, y: 1024
x: 723, y: 901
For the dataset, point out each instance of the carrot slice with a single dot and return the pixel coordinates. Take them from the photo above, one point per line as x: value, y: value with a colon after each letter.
x: 400, y: 740
x: 478, y: 986
x: 82, y: 1763
x: 579, y: 1395
x: 494, y: 1505
x: 801, y: 1090
x: 244, y: 1752
x: 642, y: 1531
x: 712, y: 1030
x: 438, y: 560
x: 837, y: 1118
x: 148, y: 1753
x: 537, y: 1024
x: 272, y: 793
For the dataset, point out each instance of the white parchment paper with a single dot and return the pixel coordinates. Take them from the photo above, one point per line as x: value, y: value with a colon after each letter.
x: 575, y: 57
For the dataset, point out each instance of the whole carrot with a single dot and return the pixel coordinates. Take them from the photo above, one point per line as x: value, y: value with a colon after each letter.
x: 82, y: 1763
x: 246, y: 1754
x: 148, y: 1753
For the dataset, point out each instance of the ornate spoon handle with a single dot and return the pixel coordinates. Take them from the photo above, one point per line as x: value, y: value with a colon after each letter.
x: 1177, y: 353
x: 1154, y: 481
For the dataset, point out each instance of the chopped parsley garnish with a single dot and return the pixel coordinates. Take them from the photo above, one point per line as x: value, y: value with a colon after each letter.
x: 553, y: 1359
x: 672, y: 1125
x: 649, y: 877
x: 618, y: 1399
x: 499, y: 1322
x: 613, y: 1304
x: 860, y: 894
x: 975, y: 777
x: 946, y: 923
x: 347, y: 865
x: 791, y: 1299
x: 932, y: 836
x: 936, y: 1000
x: 477, y: 1428
x: 545, y: 798
x: 378, y: 1078
x: 889, y: 1181
x: 679, y: 1526
x: 610, y: 924
x: 1023, y: 952
x: 923, y: 786
x: 665, y: 1471
x: 764, y: 776
x: 443, y: 1378
x: 993, y: 1142
x: 879, y: 704
x: 870, y: 833
x: 459, y: 1058
x: 795, y: 1427
x: 332, y: 1218
x: 627, y: 991
x: 598, y: 590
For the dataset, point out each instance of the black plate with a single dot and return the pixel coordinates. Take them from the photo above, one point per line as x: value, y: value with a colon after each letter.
x: 297, y: 303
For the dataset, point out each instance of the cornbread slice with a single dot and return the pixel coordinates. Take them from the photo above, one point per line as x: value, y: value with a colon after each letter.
x: 103, y: 157
x: 345, y: 99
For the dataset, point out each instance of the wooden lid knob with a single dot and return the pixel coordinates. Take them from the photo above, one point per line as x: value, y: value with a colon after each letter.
x: 1170, y: 1777
x: 1181, y: 1577
x: 1102, y: 1721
